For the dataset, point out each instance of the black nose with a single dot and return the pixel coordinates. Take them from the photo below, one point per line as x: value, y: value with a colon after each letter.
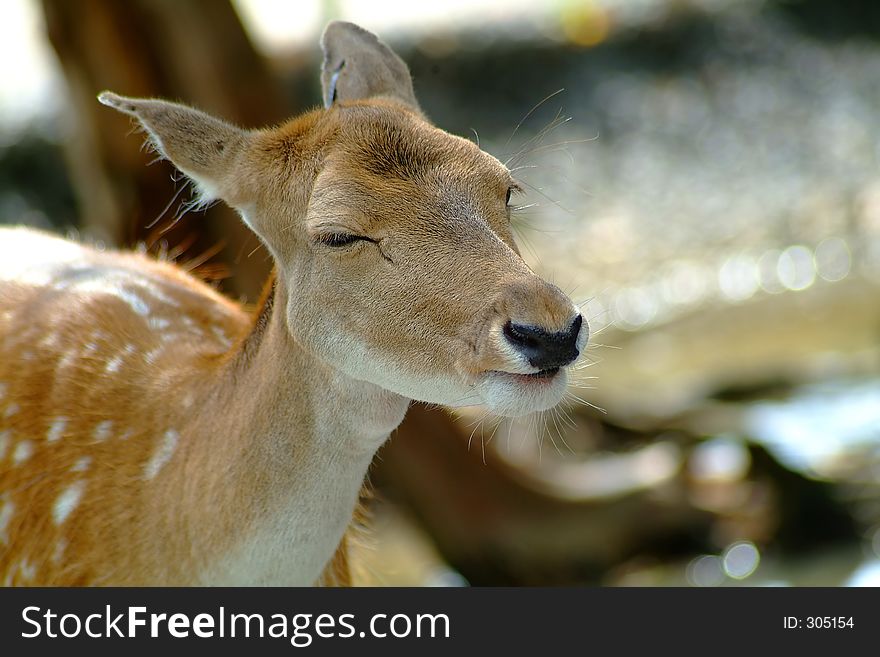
x: 543, y: 349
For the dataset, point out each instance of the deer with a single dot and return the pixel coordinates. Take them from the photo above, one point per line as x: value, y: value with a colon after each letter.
x: 155, y: 432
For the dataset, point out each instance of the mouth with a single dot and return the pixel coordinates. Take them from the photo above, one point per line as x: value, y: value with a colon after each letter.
x: 525, y: 378
x: 513, y: 394
x: 544, y: 374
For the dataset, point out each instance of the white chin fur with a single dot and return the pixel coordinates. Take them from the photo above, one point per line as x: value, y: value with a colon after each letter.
x: 510, y: 396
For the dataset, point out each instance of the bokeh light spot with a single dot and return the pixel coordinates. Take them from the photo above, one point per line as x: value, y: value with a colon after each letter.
x: 705, y: 570
x: 796, y: 268
x: 741, y: 559
x: 833, y: 259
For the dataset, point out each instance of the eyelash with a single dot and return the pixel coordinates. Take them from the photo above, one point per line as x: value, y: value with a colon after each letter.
x: 338, y: 240
x: 514, y: 189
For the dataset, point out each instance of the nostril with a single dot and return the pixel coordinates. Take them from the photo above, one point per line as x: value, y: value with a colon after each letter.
x: 543, y: 349
x: 520, y: 335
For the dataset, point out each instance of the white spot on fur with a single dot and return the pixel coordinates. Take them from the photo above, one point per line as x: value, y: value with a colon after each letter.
x: 67, y: 501
x: 134, y: 302
x: 221, y: 336
x: 156, y: 292
x: 159, y: 323
x: 27, y: 569
x: 56, y: 429
x: 102, y: 430
x: 11, y: 410
x: 128, y: 433
x: 7, y: 508
x: 49, y: 341
x: 114, y: 364
x: 27, y: 355
x: 82, y: 464
x: 23, y: 451
x: 5, y: 439
x: 113, y: 283
x: 152, y: 355
x: 188, y: 400
x: 163, y: 454
x: 67, y: 360
x: 58, y: 552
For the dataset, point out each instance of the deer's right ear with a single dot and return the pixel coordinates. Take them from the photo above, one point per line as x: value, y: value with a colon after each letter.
x: 204, y: 148
x: 358, y: 65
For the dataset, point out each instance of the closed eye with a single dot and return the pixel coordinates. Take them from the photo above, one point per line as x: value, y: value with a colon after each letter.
x: 337, y: 240
x: 513, y: 189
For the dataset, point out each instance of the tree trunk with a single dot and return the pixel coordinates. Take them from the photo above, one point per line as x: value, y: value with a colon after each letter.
x: 194, y: 51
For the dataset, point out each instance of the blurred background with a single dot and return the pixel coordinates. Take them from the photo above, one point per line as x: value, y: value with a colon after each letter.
x: 702, y: 177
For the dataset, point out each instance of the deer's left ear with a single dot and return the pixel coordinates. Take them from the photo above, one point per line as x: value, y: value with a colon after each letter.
x: 204, y: 148
x: 357, y: 65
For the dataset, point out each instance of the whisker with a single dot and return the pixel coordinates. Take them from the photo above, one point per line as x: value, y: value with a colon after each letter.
x: 553, y: 201
x: 471, y: 437
x: 522, y: 238
x: 589, y: 361
x: 566, y: 142
x: 530, y: 144
x: 559, y: 411
x: 538, y: 138
x: 498, y: 421
x: 530, y: 112
x: 558, y: 433
x: 529, y: 429
x: 167, y: 207
x: 584, y: 402
x: 482, y: 417
x: 566, y: 417
x: 599, y: 331
x: 559, y: 172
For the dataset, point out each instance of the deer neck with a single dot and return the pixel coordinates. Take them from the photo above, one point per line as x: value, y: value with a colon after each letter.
x: 305, y: 435
x: 301, y: 398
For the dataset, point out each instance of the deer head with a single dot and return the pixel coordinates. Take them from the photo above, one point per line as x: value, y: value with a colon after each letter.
x: 391, y: 238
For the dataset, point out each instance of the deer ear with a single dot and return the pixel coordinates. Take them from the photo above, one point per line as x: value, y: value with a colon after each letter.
x: 358, y: 65
x: 204, y: 148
